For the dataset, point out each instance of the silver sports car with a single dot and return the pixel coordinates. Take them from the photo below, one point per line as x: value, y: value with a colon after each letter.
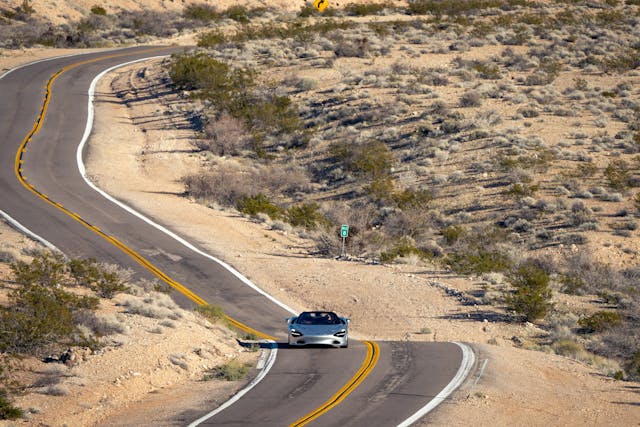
x: 319, y: 327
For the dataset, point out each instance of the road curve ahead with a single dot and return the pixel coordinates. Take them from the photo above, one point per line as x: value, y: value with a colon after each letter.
x: 317, y: 385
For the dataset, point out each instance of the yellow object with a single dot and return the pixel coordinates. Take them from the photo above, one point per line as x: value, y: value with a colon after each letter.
x: 320, y: 4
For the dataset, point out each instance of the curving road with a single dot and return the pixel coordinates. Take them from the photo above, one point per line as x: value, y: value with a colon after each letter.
x: 401, y: 377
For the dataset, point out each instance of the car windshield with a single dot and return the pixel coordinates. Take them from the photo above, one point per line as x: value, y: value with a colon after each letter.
x: 318, y: 318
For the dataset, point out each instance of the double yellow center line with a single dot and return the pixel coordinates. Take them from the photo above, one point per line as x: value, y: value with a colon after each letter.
x: 372, y: 348
x: 370, y: 361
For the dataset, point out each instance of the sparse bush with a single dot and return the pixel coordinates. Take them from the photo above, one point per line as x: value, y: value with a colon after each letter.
x: 231, y: 371
x: 572, y: 284
x: 306, y: 215
x: 413, y: 199
x: 364, y: 9
x: 40, y: 312
x: 450, y: 7
x: 238, y: 13
x: 471, y: 99
x: 531, y: 296
x: 213, y: 313
x: 477, y: 261
x: 99, y: 10
x: 7, y: 410
x: 617, y: 174
x: 201, y: 11
x: 403, y: 248
x: 600, y: 321
x: 99, y: 278
x: 252, y: 205
x: 452, y: 233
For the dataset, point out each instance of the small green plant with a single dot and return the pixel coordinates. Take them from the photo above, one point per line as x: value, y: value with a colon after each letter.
x: 617, y: 174
x: 87, y: 272
x: 413, y: 199
x: 98, y: 10
x: 7, y: 410
x: 238, y: 13
x: 531, y: 295
x: 403, y: 248
x: 475, y: 260
x: 211, y: 38
x: 202, y: 12
x: 213, y: 313
x: 305, y: 215
x: 572, y: 284
x: 452, y: 233
x: 252, y: 205
x: 380, y: 188
x: 600, y: 321
x: 231, y: 371
x: 521, y: 190
x: 364, y: 9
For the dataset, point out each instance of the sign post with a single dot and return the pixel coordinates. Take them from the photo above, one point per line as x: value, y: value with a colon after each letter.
x: 344, y: 233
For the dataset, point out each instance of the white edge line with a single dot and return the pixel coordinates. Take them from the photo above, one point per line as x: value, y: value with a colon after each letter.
x: 81, y: 167
x: 468, y: 360
x: 11, y: 70
x: 270, y: 361
x: 15, y: 224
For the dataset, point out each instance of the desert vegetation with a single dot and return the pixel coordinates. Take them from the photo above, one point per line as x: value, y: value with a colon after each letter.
x: 50, y: 311
x: 510, y: 154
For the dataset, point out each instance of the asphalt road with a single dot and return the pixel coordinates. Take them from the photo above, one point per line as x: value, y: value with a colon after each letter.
x: 406, y: 376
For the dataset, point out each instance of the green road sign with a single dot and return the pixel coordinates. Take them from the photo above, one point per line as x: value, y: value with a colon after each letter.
x: 344, y: 231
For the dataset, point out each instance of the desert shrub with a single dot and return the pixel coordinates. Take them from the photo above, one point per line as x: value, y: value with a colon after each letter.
x: 106, y: 283
x: 234, y: 370
x: 201, y: 11
x: 413, y: 199
x: 46, y: 269
x: 238, y: 13
x: 403, y: 248
x: 600, y: 321
x: 452, y: 233
x: 212, y: 313
x: 622, y: 62
x: 98, y: 10
x: 617, y: 174
x: 40, y: 316
x: 363, y: 9
x: 450, y: 7
x: 471, y: 98
x: 531, y: 295
x: 225, y: 135
x: 307, y: 215
x: 307, y: 11
x: 211, y: 38
x: 486, y: 70
x: 7, y: 410
x: 476, y: 260
x: 522, y: 190
x: 371, y: 159
x: 572, y: 284
x: 252, y: 205
x: 380, y: 188
x: 224, y: 185
x: 201, y: 72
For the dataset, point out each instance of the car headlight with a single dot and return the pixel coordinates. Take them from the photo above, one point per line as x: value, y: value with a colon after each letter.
x: 340, y: 334
x: 295, y: 333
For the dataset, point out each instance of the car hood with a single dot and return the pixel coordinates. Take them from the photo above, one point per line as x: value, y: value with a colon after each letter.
x: 318, y: 329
